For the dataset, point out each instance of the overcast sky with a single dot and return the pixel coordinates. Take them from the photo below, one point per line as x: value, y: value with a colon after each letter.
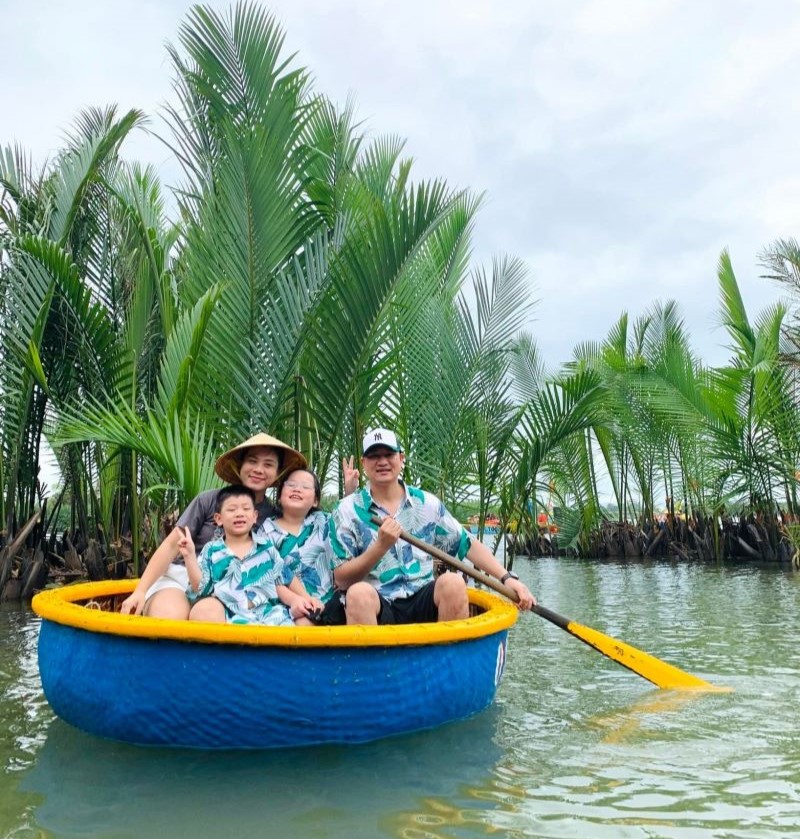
x: 621, y: 145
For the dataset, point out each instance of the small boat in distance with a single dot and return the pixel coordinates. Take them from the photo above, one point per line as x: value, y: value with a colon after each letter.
x: 491, y: 524
x: 152, y: 681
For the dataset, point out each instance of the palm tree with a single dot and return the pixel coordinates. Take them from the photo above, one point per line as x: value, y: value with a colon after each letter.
x: 757, y: 443
x: 61, y: 307
x: 290, y: 293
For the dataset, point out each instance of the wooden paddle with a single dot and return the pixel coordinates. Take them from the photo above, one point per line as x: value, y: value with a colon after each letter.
x: 649, y: 667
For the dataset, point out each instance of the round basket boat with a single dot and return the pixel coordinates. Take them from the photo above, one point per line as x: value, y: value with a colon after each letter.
x: 211, y: 686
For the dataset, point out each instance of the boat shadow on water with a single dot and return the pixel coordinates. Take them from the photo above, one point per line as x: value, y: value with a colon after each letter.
x: 94, y: 787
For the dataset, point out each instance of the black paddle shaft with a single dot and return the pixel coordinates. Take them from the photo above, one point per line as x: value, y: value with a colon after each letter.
x: 436, y: 553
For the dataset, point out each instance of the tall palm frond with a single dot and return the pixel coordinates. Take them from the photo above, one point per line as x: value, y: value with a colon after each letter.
x: 239, y: 127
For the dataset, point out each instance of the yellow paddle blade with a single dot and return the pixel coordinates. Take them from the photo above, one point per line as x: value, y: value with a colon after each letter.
x: 649, y: 667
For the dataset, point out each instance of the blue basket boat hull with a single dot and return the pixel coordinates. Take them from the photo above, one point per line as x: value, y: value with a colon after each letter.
x: 213, y: 697
x: 156, y: 691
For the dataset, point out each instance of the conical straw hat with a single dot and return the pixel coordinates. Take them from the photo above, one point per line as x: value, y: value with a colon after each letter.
x: 227, y: 465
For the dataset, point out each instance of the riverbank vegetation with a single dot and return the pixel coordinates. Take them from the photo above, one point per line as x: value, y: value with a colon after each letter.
x: 300, y: 280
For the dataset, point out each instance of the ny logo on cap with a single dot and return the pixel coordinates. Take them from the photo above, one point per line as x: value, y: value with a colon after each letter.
x: 381, y: 437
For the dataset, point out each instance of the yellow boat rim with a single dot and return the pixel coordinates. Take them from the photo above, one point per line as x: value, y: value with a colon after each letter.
x: 64, y: 606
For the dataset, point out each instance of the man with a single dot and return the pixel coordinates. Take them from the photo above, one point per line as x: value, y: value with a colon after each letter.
x: 385, y: 579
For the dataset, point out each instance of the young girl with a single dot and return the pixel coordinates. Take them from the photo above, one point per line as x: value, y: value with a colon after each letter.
x: 300, y: 532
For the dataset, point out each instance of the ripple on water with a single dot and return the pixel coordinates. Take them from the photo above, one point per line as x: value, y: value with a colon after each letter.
x: 574, y: 747
x: 24, y: 712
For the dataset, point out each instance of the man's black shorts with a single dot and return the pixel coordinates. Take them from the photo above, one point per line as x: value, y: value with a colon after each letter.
x: 418, y: 608
x: 333, y: 613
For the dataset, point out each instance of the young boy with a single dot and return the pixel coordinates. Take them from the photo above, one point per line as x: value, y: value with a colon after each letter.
x: 241, y: 577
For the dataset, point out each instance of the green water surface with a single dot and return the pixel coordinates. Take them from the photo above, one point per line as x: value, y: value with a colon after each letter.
x: 574, y: 746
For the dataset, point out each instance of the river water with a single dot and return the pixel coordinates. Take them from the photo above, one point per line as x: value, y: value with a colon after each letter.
x: 574, y: 746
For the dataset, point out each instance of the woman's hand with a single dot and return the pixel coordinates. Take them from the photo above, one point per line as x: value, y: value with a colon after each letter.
x: 134, y: 603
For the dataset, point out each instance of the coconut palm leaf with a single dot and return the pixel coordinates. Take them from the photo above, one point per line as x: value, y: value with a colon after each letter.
x: 146, y: 240
x: 240, y: 129
x: 782, y: 262
x: 82, y: 163
x: 560, y: 409
x: 332, y: 152
x: 348, y: 321
x: 180, y: 447
x: 182, y: 354
x: 462, y: 376
x: 22, y: 209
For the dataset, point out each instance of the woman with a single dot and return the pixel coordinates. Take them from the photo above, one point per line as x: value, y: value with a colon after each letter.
x: 299, y: 530
x: 256, y: 464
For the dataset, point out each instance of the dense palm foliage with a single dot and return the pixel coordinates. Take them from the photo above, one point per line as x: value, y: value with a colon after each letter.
x: 297, y: 293
x: 673, y: 434
x: 300, y: 281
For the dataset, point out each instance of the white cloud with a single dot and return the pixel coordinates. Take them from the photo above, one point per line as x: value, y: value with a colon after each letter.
x: 622, y: 144
x: 603, y: 18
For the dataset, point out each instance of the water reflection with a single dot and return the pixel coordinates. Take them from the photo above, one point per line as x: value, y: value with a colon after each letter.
x: 24, y: 712
x: 643, y: 718
x: 324, y: 791
x: 575, y: 745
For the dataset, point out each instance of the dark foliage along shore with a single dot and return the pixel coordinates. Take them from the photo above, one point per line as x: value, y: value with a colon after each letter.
x: 747, y: 537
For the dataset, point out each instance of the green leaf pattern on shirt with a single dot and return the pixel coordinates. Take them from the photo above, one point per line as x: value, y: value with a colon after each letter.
x: 403, y: 570
x: 308, y: 554
x: 246, y: 587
